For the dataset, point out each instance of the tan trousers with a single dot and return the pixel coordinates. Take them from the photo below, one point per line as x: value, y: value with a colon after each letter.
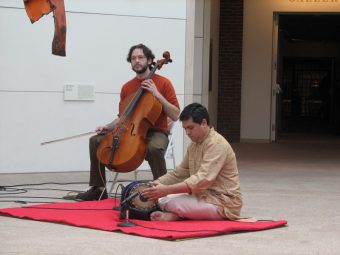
x: 189, y: 207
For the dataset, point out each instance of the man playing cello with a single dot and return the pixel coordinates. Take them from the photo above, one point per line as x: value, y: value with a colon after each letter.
x: 141, y: 59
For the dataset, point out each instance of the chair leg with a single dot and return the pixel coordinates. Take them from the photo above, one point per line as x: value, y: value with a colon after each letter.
x: 114, y: 181
x: 173, y: 157
x: 112, y: 185
x: 102, y: 194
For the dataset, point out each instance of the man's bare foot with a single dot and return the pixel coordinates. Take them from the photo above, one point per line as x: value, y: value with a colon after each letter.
x: 163, y: 216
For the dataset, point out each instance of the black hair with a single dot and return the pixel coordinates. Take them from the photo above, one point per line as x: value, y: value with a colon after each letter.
x: 196, y: 112
x: 147, y: 52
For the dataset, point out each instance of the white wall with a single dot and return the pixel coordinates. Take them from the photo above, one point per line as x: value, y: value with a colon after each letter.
x: 257, y: 57
x: 99, y: 35
x: 214, y: 35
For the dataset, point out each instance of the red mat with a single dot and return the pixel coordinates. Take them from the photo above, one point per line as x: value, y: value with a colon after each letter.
x: 99, y: 215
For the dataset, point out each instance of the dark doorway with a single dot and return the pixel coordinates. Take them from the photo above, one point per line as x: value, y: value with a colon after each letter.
x: 309, y: 74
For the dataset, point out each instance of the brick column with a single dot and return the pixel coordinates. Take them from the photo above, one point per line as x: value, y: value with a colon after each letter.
x: 230, y: 69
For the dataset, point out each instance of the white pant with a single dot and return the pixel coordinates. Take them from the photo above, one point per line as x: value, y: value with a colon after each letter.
x: 189, y: 207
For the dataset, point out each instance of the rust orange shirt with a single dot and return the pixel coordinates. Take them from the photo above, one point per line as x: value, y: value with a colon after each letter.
x: 163, y: 85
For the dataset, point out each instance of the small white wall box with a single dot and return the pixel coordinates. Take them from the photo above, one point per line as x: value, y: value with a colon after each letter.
x: 78, y: 92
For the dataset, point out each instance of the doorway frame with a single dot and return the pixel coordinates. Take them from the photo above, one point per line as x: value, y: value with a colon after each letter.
x: 275, y: 74
x: 275, y: 87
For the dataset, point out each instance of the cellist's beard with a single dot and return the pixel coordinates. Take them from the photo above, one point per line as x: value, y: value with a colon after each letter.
x: 140, y: 71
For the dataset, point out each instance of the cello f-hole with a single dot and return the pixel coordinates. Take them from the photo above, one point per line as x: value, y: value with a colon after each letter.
x: 132, y: 129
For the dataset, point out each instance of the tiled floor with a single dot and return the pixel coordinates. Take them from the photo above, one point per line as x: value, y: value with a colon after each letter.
x: 294, y: 179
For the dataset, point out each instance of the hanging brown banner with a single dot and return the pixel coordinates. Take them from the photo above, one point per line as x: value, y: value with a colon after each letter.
x: 35, y: 9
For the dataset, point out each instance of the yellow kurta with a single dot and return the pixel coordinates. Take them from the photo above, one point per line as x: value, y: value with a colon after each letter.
x: 209, y: 169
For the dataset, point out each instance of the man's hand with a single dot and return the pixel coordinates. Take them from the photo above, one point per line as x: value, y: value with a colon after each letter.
x: 156, y: 191
x: 150, y: 86
x: 102, y: 129
x: 159, y: 190
x: 170, y: 110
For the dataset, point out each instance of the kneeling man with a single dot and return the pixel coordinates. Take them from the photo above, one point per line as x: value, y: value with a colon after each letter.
x: 205, y: 186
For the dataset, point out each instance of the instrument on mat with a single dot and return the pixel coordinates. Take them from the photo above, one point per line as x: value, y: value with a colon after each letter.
x: 139, y: 207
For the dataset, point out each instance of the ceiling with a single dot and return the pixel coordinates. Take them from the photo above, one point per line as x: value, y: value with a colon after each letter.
x: 310, y: 27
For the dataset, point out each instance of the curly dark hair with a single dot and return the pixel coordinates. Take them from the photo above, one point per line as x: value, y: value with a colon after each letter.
x: 147, y: 52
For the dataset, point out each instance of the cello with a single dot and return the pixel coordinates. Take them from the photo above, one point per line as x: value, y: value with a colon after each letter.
x: 124, y: 148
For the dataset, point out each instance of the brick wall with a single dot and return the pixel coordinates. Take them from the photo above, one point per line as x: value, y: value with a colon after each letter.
x: 230, y: 69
